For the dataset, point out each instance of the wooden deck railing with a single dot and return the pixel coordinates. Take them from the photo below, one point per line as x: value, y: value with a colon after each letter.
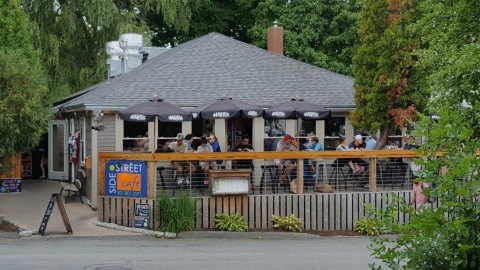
x: 371, y: 156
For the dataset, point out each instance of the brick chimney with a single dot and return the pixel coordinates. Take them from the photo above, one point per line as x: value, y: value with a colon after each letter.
x: 275, y: 39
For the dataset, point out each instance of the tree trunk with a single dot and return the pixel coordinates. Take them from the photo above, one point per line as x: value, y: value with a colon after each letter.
x: 385, y: 131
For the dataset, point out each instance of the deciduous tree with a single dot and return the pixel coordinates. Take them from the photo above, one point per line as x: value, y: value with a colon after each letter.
x: 447, y: 237
x: 318, y: 32
x: 72, y: 34
x: 386, y: 93
x: 24, y: 112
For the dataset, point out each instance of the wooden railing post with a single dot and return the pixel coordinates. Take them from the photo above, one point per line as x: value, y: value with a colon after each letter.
x: 372, y: 181
x: 299, y: 176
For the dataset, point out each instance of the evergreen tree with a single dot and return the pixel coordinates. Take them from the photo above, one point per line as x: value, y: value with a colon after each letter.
x: 386, y: 92
x: 24, y: 112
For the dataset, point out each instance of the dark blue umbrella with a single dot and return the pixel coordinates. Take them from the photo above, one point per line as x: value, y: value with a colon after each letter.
x: 298, y: 109
x: 147, y: 111
x: 226, y: 108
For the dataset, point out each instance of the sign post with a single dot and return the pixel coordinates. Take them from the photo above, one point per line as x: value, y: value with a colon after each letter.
x: 55, y: 198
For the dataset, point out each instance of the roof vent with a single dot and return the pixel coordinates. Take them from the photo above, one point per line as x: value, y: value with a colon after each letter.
x: 124, y: 54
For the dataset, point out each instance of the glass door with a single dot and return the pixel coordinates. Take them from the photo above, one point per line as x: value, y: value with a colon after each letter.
x: 58, y: 150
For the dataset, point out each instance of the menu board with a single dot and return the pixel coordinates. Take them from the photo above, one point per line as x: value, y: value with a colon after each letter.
x: 10, y: 185
x: 142, y: 215
x: 229, y: 182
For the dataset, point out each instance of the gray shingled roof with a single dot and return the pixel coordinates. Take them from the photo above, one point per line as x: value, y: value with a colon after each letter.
x: 210, y: 66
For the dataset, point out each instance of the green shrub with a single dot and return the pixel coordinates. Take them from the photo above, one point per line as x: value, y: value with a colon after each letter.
x: 232, y: 223
x: 176, y: 214
x: 369, y: 226
x: 289, y: 223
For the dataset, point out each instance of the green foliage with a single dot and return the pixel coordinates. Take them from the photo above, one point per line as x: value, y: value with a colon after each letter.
x: 387, y: 93
x: 72, y: 34
x: 319, y: 32
x: 223, y: 16
x: 447, y: 237
x: 369, y: 226
x: 289, y: 223
x: 177, y: 214
x: 24, y: 112
x: 232, y: 223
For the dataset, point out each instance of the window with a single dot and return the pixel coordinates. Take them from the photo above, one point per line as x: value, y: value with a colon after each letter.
x: 167, y: 132
x: 273, y: 130
x: 135, y: 136
x: 334, y: 128
x: 202, y: 127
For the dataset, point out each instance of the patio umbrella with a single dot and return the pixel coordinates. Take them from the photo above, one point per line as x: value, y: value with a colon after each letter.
x: 297, y: 108
x: 226, y: 108
x: 147, y: 111
x: 150, y: 109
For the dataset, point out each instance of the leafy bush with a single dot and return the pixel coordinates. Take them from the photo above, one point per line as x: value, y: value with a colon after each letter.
x: 289, y: 223
x: 369, y: 226
x: 176, y: 214
x: 232, y: 223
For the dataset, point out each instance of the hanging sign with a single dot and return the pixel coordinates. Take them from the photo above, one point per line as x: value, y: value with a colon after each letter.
x: 126, y: 178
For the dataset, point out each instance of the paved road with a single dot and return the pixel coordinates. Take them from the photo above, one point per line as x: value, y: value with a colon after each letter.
x: 146, y: 252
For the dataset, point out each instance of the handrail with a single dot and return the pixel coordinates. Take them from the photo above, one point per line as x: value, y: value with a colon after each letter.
x: 259, y: 155
x: 372, y: 155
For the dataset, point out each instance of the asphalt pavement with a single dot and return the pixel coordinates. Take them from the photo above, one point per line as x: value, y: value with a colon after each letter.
x: 144, y: 252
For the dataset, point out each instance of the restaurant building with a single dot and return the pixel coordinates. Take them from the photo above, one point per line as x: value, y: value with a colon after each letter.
x: 190, y: 75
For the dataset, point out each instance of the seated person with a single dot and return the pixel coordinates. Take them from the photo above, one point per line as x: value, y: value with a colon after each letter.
x: 286, y: 144
x: 141, y: 144
x: 215, y: 145
x: 371, y: 143
x: 206, y: 165
x: 313, y: 145
x: 181, y: 167
x: 244, y: 146
x: 358, y: 143
x: 189, y: 141
x: 352, y: 163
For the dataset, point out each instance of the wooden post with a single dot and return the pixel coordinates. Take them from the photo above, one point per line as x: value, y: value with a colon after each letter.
x: 101, y: 176
x: 299, y: 176
x: 151, y: 180
x: 372, y: 183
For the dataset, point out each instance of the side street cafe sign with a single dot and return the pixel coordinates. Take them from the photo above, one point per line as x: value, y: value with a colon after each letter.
x: 126, y: 178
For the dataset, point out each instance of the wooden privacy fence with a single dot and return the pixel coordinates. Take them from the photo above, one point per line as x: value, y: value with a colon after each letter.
x: 319, y: 212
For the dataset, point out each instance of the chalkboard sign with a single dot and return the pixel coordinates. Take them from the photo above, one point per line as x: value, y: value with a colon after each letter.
x: 10, y: 185
x: 55, y: 199
x: 142, y: 215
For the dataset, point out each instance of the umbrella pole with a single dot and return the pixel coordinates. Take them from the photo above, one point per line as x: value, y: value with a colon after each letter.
x: 155, y: 128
